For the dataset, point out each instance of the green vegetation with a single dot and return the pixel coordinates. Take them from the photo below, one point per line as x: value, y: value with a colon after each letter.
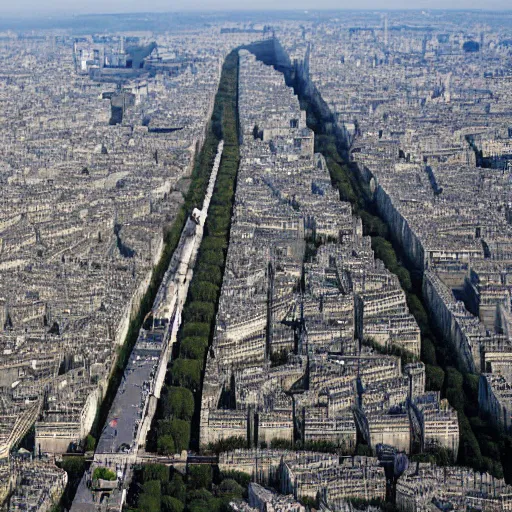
x: 155, y: 488
x: 103, y: 474
x: 394, y: 350
x: 226, y: 445
x: 176, y: 425
x: 89, y: 443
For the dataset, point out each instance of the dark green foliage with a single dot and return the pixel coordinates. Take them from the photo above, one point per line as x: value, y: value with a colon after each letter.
x: 281, y: 444
x: 176, y: 488
x: 385, y: 252
x: 209, y: 273
x: 453, y: 379
x: 230, y: 489
x: 215, y: 256
x: 179, y: 430
x: 416, y: 308
x: 309, y: 502
x: 165, y: 445
x: 186, y: 373
x: 155, y: 472
x: 149, y: 499
x: 212, y: 243
x: 193, y: 347
x: 199, y: 312
x: 204, y: 291
x: 89, y: 443
x: 227, y: 444
x: 196, y: 329
x: 170, y: 504
x: 373, y: 225
x: 177, y: 402
x: 404, y: 277
x: 200, y: 477
x: 434, y: 377
x: 469, y: 450
x: 406, y: 356
x: 238, y: 476
x: 428, y: 352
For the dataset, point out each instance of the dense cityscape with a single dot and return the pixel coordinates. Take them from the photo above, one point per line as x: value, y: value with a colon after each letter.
x: 257, y: 262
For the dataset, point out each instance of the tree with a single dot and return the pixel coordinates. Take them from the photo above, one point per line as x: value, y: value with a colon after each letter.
x: 196, y: 329
x: 180, y: 431
x: 178, y: 403
x: 204, y: 291
x: 155, y: 472
x: 102, y: 473
x: 199, y: 312
x: 404, y: 277
x: 244, y: 479
x: 193, y: 347
x: 215, y: 256
x: 434, y: 377
x: 469, y: 450
x: 418, y: 311
x: 231, y: 489
x: 176, y: 488
x: 170, y: 504
x: 200, y: 477
x: 89, y: 443
x: 187, y: 373
x: 165, y: 445
x: 149, y: 498
x: 428, y: 352
x: 210, y: 273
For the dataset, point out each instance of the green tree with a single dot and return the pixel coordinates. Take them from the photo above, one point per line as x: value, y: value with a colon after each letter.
x: 404, y: 277
x: 170, y: 504
x: 178, y: 403
x: 180, y: 431
x: 200, y: 477
x: 103, y: 474
x: 187, y: 373
x: 193, y: 347
x: 155, y: 472
x: 165, y: 445
x: 89, y: 443
x: 434, y: 377
x: 199, y: 312
x: 428, y: 352
x: 196, y: 329
x: 176, y: 488
x: 230, y: 489
x: 204, y: 291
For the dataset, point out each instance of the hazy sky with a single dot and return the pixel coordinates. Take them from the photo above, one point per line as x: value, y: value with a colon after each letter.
x: 53, y: 7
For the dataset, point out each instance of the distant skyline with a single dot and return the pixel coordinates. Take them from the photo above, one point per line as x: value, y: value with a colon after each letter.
x: 36, y: 8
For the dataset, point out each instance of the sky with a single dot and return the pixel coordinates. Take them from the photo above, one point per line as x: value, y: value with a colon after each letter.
x: 31, y: 8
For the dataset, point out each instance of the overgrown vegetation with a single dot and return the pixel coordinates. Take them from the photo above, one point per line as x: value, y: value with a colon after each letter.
x: 176, y: 425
